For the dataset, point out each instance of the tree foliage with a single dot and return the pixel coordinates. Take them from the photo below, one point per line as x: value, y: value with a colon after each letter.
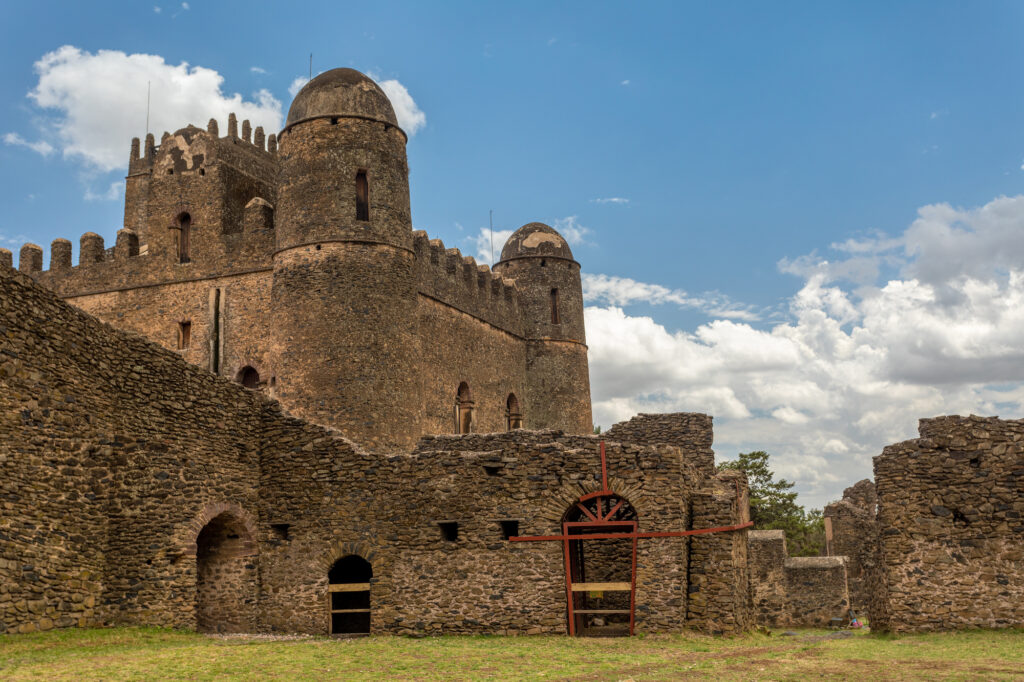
x: 773, y: 505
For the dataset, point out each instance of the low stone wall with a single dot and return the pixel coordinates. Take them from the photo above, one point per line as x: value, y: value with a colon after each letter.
x: 798, y: 591
x: 951, y: 527
x: 690, y: 431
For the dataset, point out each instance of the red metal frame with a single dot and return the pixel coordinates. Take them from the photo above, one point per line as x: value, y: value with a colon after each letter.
x: 603, y: 520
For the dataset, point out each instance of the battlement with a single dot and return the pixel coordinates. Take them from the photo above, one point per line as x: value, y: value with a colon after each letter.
x: 446, y: 275
x: 251, y: 142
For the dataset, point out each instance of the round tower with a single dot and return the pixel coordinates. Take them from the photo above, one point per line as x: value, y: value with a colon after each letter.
x: 343, y: 297
x: 551, y: 300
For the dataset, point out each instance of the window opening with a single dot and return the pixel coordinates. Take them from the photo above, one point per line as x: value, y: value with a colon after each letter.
x: 492, y: 470
x: 449, y: 530
x: 184, y: 238
x: 509, y: 528
x: 348, y: 593
x: 555, y: 318
x: 184, y: 335
x: 513, y: 416
x: 281, y: 530
x: 249, y: 377
x: 362, y: 196
x: 463, y: 409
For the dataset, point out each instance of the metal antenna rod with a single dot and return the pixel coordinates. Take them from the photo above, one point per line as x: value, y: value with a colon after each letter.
x: 310, y: 66
x: 148, y: 85
x: 492, y: 236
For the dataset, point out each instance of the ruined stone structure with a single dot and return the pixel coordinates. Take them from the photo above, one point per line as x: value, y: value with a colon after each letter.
x: 288, y: 262
x: 851, y: 532
x: 951, y: 527
x: 342, y: 427
x: 794, y: 591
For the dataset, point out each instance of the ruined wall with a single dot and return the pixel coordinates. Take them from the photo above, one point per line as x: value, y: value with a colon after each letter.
x: 719, y: 582
x: 951, y: 527
x: 689, y: 430
x: 851, y: 531
x: 112, y: 450
x: 794, y: 592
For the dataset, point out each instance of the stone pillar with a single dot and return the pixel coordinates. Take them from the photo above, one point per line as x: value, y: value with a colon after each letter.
x: 60, y: 255
x: 31, y: 258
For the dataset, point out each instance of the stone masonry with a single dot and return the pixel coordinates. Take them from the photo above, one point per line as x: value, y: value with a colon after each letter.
x: 851, y: 531
x: 951, y: 527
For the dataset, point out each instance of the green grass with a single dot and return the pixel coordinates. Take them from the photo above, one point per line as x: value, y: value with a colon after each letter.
x: 149, y: 654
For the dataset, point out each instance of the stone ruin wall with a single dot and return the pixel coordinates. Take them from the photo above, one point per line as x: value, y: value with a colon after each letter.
x: 852, y: 532
x: 794, y: 592
x: 691, y: 431
x: 130, y: 476
x: 951, y: 527
x: 111, y: 450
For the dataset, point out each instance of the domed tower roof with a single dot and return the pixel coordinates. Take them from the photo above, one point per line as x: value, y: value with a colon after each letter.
x: 341, y: 92
x: 536, y: 239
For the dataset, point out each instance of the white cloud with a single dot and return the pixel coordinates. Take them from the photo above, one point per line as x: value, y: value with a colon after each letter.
x: 610, y: 200
x: 185, y: 6
x: 257, y: 69
x: 855, y: 365
x: 410, y: 117
x: 115, y: 191
x: 570, y: 228
x: 39, y: 147
x: 623, y: 291
x: 297, y: 84
x: 482, y: 242
x: 157, y: 9
x: 95, y: 100
x: 625, y: 82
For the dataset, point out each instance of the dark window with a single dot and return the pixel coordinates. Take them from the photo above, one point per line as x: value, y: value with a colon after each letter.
x: 509, y: 529
x: 349, y: 590
x: 449, y: 530
x: 249, y: 377
x: 184, y: 335
x: 281, y: 530
x: 463, y: 409
x: 362, y: 196
x: 513, y: 416
x: 555, y: 317
x: 184, y: 238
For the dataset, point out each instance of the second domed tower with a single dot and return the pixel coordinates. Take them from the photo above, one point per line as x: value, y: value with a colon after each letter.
x: 344, y: 292
x: 551, y: 299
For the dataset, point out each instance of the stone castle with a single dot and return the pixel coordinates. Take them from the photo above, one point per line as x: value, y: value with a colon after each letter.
x: 273, y: 406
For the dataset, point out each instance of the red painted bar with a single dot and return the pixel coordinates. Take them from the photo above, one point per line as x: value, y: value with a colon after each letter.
x: 626, y: 536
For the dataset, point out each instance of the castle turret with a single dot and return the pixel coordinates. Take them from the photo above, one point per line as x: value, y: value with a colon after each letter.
x: 551, y: 299
x: 344, y: 294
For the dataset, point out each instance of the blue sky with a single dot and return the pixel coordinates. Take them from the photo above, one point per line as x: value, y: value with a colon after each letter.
x: 802, y: 218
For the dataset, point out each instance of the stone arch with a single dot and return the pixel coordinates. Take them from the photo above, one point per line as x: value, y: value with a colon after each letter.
x: 339, y: 549
x: 551, y: 511
x: 249, y: 377
x: 513, y: 413
x: 463, y: 409
x: 222, y: 544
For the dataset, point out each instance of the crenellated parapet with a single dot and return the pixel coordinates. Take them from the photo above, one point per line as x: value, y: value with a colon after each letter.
x: 459, y: 281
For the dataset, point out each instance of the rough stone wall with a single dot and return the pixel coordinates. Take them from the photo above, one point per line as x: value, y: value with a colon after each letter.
x: 794, y: 592
x: 689, y: 430
x: 111, y: 448
x: 719, y: 577
x: 767, y: 554
x: 851, y: 532
x: 951, y: 527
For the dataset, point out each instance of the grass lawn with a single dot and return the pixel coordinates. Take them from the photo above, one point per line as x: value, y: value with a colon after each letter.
x: 153, y: 654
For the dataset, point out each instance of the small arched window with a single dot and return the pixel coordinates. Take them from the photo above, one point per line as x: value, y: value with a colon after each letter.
x: 184, y: 238
x: 513, y: 416
x: 463, y: 409
x: 362, y: 196
x: 249, y: 377
x: 555, y: 317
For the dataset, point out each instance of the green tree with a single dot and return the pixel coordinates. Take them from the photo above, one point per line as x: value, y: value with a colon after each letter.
x: 773, y: 505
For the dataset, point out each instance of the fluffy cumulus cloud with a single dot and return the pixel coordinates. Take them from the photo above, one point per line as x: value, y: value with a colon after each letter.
x: 39, y: 147
x: 855, y: 363
x: 91, y: 101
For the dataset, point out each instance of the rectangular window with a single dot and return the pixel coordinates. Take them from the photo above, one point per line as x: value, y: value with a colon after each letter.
x: 509, y: 529
x: 184, y: 335
x: 555, y: 317
x: 449, y: 530
x: 362, y: 196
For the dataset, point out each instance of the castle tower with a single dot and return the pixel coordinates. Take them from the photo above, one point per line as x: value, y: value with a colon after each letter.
x: 344, y: 294
x: 551, y: 299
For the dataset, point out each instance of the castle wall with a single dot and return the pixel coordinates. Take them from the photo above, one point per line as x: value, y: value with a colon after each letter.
x: 851, y: 531
x: 111, y: 450
x: 951, y: 535
x: 795, y: 592
x: 691, y: 431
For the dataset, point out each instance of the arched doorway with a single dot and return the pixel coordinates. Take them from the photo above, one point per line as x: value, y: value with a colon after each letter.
x: 463, y: 409
x: 601, y: 580
x: 225, y: 576
x: 513, y: 415
x: 348, y: 593
x: 248, y: 377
